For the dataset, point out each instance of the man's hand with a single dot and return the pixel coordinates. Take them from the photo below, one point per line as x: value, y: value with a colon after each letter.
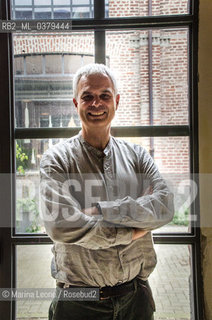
x: 138, y: 233
x: 149, y: 190
x: 93, y: 211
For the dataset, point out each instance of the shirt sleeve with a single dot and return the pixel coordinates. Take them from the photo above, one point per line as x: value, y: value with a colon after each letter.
x: 148, y: 211
x: 62, y: 216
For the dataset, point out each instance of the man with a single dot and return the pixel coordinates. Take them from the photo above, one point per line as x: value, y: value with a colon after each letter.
x: 101, y: 198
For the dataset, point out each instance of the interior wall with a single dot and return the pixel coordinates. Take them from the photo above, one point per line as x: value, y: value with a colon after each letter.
x: 205, y: 147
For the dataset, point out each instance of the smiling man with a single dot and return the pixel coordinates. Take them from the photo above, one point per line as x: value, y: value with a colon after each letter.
x: 96, y: 100
x: 101, y: 197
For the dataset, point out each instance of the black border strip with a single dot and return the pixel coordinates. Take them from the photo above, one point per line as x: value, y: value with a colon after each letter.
x: 122, y: 131
x: 159, y: 238
x: 133, y: 22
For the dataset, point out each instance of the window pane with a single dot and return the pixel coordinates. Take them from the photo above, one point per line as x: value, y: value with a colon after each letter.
x: 171, y: 155
x: 171, y: 282
x: 33, y: 65
x: 42, y: 2
x: 19, y: 65
x: 80, y: 2
x: 172, y: 161
x: 130, y: 56
x: 81, y: 12
x: 43, y: 82
x: 33, y: 271
x: 42, y: 13
x: 62, y: 13
x: 28, y: 156
x: 61, y: 2
x: 72, y: 63
x: 53, y: 64
x: 136, y: 8
x: 23, y: 2
x: 23, y: 13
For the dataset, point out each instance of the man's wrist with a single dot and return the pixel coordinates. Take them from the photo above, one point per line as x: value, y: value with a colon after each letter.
x: 98, y: 208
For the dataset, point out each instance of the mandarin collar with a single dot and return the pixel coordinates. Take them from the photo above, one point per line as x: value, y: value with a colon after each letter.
x: 99, y: 153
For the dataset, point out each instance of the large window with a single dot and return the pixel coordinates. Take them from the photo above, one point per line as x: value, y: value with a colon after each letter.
x: 48, y: 9
x: 152, y: 48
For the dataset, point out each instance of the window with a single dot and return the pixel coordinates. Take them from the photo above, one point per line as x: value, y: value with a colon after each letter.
x: 153, y: 51
x: 47, y: 9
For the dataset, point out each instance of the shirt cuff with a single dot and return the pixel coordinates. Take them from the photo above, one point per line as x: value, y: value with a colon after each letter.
x: 124, y: 235
x: 110, y: 211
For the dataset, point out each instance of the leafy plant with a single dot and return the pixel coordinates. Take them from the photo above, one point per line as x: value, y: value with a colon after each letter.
x: 181, y: 218
x: 29, y: 205
x: 21, y: 159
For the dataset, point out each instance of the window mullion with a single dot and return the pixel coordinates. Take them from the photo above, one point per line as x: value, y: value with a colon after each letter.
x: 99, y: 36
x: 99, y: 41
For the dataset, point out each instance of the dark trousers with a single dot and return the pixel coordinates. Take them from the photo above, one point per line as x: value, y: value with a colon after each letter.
x: 135, y: 305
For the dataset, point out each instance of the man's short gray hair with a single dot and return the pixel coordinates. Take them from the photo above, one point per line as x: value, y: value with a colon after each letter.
x: 93, y: 68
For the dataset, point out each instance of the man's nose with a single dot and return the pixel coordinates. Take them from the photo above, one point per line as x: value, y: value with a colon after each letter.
x: 96, y: 101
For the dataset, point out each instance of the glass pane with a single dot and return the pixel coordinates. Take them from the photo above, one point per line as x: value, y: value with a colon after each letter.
x: 42, y: 2
x: 53, y: 64
x: 42, y: 13
x: 136, y: 8
x: 158, y: 100
x: 23, y: 13
x: 23, y: 2
x: 19, y: 65
x: 81, y: 12
x: 28, y: 155
x: 80, y: 2
x: 43, y: 82
x: 33, y: 271
x: 61, y: 2
x: 33, y: 64
x: 171, y: 282
x: 171, y: 155
x: 62, y: 13
x: 72, y: 63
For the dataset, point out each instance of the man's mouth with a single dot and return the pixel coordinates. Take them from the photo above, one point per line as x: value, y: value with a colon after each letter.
x: 96, y: 114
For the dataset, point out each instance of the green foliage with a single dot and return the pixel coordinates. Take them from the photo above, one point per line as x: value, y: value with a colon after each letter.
x: 181, y: 218
x: 29, y: 205
x: 21, y: 160
x: 34, y: 227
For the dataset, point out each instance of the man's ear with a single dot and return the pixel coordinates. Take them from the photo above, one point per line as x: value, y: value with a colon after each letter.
x: 117, y: 100
x: 75, y: 103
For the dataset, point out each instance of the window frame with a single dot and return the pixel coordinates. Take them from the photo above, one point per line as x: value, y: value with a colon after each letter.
x: 99, y: 24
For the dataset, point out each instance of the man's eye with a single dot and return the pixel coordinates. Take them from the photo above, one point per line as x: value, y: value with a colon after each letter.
x: 105, y: 96
x: 88, y: 97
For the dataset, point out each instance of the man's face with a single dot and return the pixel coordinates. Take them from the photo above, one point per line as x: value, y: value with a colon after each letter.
x: 96, y: 102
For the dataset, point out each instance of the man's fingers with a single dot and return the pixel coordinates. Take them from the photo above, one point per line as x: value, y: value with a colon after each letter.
x: 93, y: 211
x: 149, y: 190
x: 138, y: 233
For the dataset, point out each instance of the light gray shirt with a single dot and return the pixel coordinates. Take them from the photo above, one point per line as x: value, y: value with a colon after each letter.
x: 126, y: 184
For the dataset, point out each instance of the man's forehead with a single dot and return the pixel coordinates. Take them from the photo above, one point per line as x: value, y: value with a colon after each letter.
x: 97, y: 81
